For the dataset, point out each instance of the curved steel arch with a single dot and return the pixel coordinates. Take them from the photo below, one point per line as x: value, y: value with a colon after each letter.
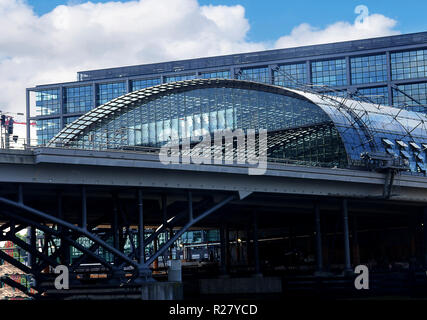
x: 137, y: 97
x: 355, y: 121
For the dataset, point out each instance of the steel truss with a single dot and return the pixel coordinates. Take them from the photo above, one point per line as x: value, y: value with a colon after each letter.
x: 60, y: 236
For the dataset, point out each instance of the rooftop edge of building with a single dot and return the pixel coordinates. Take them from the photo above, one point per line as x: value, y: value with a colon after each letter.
x: 255, y: 57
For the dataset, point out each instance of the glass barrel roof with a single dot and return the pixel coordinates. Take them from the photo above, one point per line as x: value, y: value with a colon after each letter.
x: 211, y: 104
x: 375, y: 127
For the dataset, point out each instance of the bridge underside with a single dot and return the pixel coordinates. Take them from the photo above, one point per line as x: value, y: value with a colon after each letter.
x: 285, y: 225
x: 298, y: 224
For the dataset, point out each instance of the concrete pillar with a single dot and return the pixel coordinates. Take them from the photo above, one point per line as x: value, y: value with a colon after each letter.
x: 256, y: 248
x: 238, y: 257
x: 65, y: 249
x: 227, y: 247
x: 144, y: 272
x: 347, y: 264
x: 223, y: 265
x: 115, y: 224
x: 412, y: 236
x: 248, y: 244
x: 190, y: 205
x: 356, y: 249
x: 84, y: 208
x: 141, y: 235
x: 319, y: 254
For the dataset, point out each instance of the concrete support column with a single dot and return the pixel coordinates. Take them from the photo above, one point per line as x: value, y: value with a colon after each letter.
x: 65, y: 259
x: 141, y: 235
x: 238, y: 255
x: 144, y: 272
x: 115, y: 224
x: 227, y: 248
x: 223, y: 265
x: 412, y: 236
x: 248, y: 245
x: 256, y: 248
x: 190, y: 205
x: 356, y: 249
x: 347, y: 264
x: 84, y: 208
x: 319, y: 254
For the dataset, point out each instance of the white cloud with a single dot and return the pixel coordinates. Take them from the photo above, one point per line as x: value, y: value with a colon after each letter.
x: 364, y: 26
x: 53, y: 47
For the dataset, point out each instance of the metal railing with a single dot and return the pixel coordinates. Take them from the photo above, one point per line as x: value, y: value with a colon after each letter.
x: 352, y: 164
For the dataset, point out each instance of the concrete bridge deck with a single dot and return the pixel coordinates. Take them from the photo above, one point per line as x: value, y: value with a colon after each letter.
x: 132, y: 169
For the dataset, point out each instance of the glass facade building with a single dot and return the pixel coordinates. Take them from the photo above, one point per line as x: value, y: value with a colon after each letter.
x: 46, y: 130
x: 78, y: 99
x: 410, y: 64
x: 144, y: 83
x: 329, y: 72
x: 308, y: 127
x: 179, y: 77
x: 290, y: 75
x: 108, y: 91
x: 255, y: 74
x: 47, y: 102
x: 416, y: 91
x: 378, y: 95
x: 216, y: 75
x: 387, y: 70
x: 368, y: 69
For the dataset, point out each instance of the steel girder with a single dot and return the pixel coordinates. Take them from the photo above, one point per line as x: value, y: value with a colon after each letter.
x: 60, y: 236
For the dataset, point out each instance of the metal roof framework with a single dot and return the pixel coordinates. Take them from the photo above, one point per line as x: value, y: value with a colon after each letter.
x: 358, y: 122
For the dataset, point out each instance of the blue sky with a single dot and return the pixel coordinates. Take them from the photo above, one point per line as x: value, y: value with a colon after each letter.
x: 40, y: 49
x: 270, y: 19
